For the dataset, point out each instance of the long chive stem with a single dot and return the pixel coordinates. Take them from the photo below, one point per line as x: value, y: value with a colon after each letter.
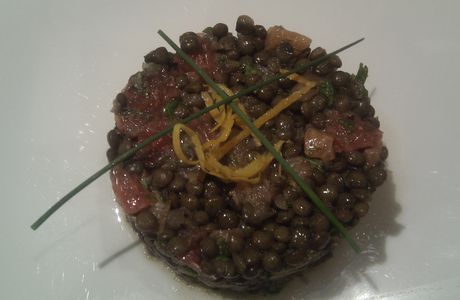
x: 285, y: 165
x: 168, y: 130
x: 125, y: 156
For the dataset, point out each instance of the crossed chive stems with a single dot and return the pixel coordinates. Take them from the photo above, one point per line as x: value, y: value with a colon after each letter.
x: 226, y: 100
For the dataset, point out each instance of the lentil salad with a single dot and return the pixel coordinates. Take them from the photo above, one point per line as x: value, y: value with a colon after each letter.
x: 233, y: 233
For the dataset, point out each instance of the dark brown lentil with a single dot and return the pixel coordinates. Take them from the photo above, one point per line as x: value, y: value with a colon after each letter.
x: 190, y: 202
x: 384, y: 153
x: 245, y: 25
x: 318, y: 121
x: 299, y: 238
x: 360, y: 209
x: 344, y: 215
x: 356, y: 180
x: 161, y: 177
x: 260, y: 31
x: 228, y: 219
x: 328, y: 192
x: 279, y: 247
x: 182, y: 81
x: 346, y: 200
x: 252, y: 272
x: 177, y: 246
x: 213, y: 205
x: 324, y: 68
x: 201, y: 217
x: 271, y: 261
x: 335, y: 61
x: 318, y: 176
x: 177, y: 184
x: 246, y: 230
x: 342, y: 103
x: 189, y: 42
x: 282, y: 233
x: 194, y: 87
x: 299, y: 221
x: 114, y: 138
x: 340, y: 78
x: 262, y: 239
x: 337, y: 180
x: 258, y: 241
x: 193, y: 99
x: 111, y: 154
x: 362, y: 108
x: 357, y: 90
x: 284, y: 217
x: 320, y: 240
x: 246, y: 45
x: 291, y: 193
x: 376, y: 175
x: 119, y: 103
x: 146, y: 222
x: 295, y: 258
x: 194, y: 187
x: 302, y: 207
x: 319, y: 223
x: 284, y: 52
x: 220, y: 30
x: 182, y: 111
x: 211, y: 189
x: 235, y: 242
x: 317, y: 53
x: 270, y: 227
x: 159, y: 56
x: 251, y: 256
x: 361, y: 194
x: 355, y: 158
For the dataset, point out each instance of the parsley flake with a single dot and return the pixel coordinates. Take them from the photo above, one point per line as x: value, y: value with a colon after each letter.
x: 327, y: 90
x: 171, y: 107
x: 223, y: 249
x: 316, y: 163
x: 361, y: 76
x: 347, y: 124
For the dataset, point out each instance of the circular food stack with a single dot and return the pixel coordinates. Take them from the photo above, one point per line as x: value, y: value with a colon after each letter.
x: 209, y: 198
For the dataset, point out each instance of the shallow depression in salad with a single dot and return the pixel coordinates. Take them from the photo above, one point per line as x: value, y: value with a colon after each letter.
x: 209, y: 199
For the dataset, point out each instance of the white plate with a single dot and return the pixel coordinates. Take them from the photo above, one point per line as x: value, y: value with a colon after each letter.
x: 61, y: 64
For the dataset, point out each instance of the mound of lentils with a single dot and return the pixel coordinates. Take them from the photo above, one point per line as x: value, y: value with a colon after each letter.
x: 233, y: 235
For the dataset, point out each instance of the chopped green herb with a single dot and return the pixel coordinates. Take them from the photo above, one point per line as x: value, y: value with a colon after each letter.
x: 162, y: 198
x: 222, y: 59
x: 361, y: 76
x: 327, y: 90
x: 152, y: 197
x: 208, y: 30
x: 273, y: 288
x: 138, y: 81
x: 249, y: 70
x: 223, y: 258
x: 189, y: 272
x: 347, y: 124
x: 171, y: 107
x: 155, y: 196
x: 223, y: 248
x: 145, y: 181
x: 316, y: 163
